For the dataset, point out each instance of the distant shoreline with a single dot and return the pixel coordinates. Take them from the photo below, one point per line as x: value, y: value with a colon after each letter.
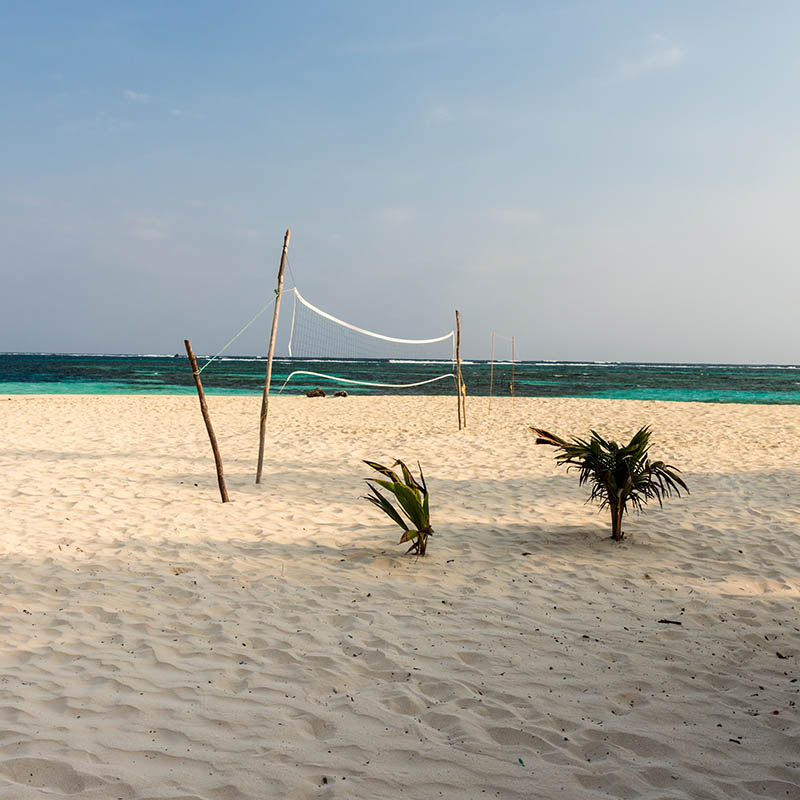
x: 159, y: 374
x: 465, y: 360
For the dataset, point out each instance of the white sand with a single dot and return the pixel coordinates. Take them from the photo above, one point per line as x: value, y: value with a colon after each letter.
x: 155, y: 643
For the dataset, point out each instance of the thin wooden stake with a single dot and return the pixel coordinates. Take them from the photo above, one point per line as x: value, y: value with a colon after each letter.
x: 491, y: 375
x: 458, y: 365
x: 262, y: 428
x: 513, y: 388
x: 464, y: 402
x: 204, y: 408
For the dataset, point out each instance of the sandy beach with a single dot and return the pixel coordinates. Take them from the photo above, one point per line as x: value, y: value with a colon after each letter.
x: 156, y: 643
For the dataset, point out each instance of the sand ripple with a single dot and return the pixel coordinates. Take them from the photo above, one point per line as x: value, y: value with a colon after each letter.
x: 157, y: 644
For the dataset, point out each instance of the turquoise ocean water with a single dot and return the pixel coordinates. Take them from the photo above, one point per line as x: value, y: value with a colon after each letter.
x: 43, y: 373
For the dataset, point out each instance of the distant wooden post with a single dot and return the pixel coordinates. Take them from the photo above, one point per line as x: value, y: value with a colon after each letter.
x: 458, y: 366
x: 464, y: 402
x: 458, y: 370
x: 513, y: 388
x: 491, y: 375
x: 204, y: 408
x: 265, y: 397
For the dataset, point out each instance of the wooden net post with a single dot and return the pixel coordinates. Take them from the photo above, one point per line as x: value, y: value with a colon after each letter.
x: 204, y: 408
x: 262, y: 428
x: 458, y: 365
x: 491, y: 375
x: 513, y: 388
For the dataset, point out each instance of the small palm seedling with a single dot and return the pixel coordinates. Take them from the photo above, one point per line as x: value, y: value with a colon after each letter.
x: 617, y: 474
x: 412, y: 500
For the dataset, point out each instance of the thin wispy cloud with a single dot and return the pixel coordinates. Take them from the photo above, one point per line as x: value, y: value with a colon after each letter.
x: 439, y: 114
x: 137, y: 97
x: 24, y: 201
x: 182, y: 113
x: 394, y: 217
x: 250, y: 233
x: 100, y: 122
x: 516, y: 216
x: 147, y: 228
x: 398, y: 46
x: 660, y: 54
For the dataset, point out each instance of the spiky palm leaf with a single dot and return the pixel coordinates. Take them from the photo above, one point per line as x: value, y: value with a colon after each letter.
x: 617, y: 474
x: 412, y: 500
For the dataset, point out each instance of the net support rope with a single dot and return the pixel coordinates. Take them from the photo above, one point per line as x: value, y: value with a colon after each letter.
x: 258, y: 314
x: 364, y: 383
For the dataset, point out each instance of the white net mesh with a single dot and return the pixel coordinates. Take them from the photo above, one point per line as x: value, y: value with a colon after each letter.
x: 320, y: 337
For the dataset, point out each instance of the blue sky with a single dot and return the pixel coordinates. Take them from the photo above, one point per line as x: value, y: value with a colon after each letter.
x: 604, y: 180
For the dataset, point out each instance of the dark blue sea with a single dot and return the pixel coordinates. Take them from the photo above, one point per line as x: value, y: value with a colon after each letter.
x: 25, y: 373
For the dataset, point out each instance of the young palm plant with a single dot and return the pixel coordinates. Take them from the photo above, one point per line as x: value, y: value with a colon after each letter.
x: 412, y: 499
x: 618, y: 475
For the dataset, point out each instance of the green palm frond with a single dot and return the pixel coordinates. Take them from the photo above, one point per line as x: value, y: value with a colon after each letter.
x: 412, y: 503
x: 616, y: 474
x: 384, y: 505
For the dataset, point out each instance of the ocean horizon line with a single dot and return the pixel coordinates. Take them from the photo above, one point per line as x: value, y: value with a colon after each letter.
x: 464, y: 360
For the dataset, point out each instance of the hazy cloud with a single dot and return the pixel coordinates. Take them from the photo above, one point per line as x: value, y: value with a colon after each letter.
x: 137, y: 97
x: 24, y: 201
x: 660, y: 54
x: 147, y: 228
x: 182, y: 113
x: 396, y: 216
x: 439, y: 114
x: 519, y: 217
x: 250, y: 233
x: 399, y: 45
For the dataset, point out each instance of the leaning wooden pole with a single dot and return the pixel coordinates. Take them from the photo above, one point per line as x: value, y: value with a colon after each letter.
x: 491, y: 375
x: 262, y: 428
x: 461, y: 423
x: 204, y: 408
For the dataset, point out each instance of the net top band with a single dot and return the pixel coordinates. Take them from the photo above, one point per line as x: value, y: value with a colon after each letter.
x: 330, y: 317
